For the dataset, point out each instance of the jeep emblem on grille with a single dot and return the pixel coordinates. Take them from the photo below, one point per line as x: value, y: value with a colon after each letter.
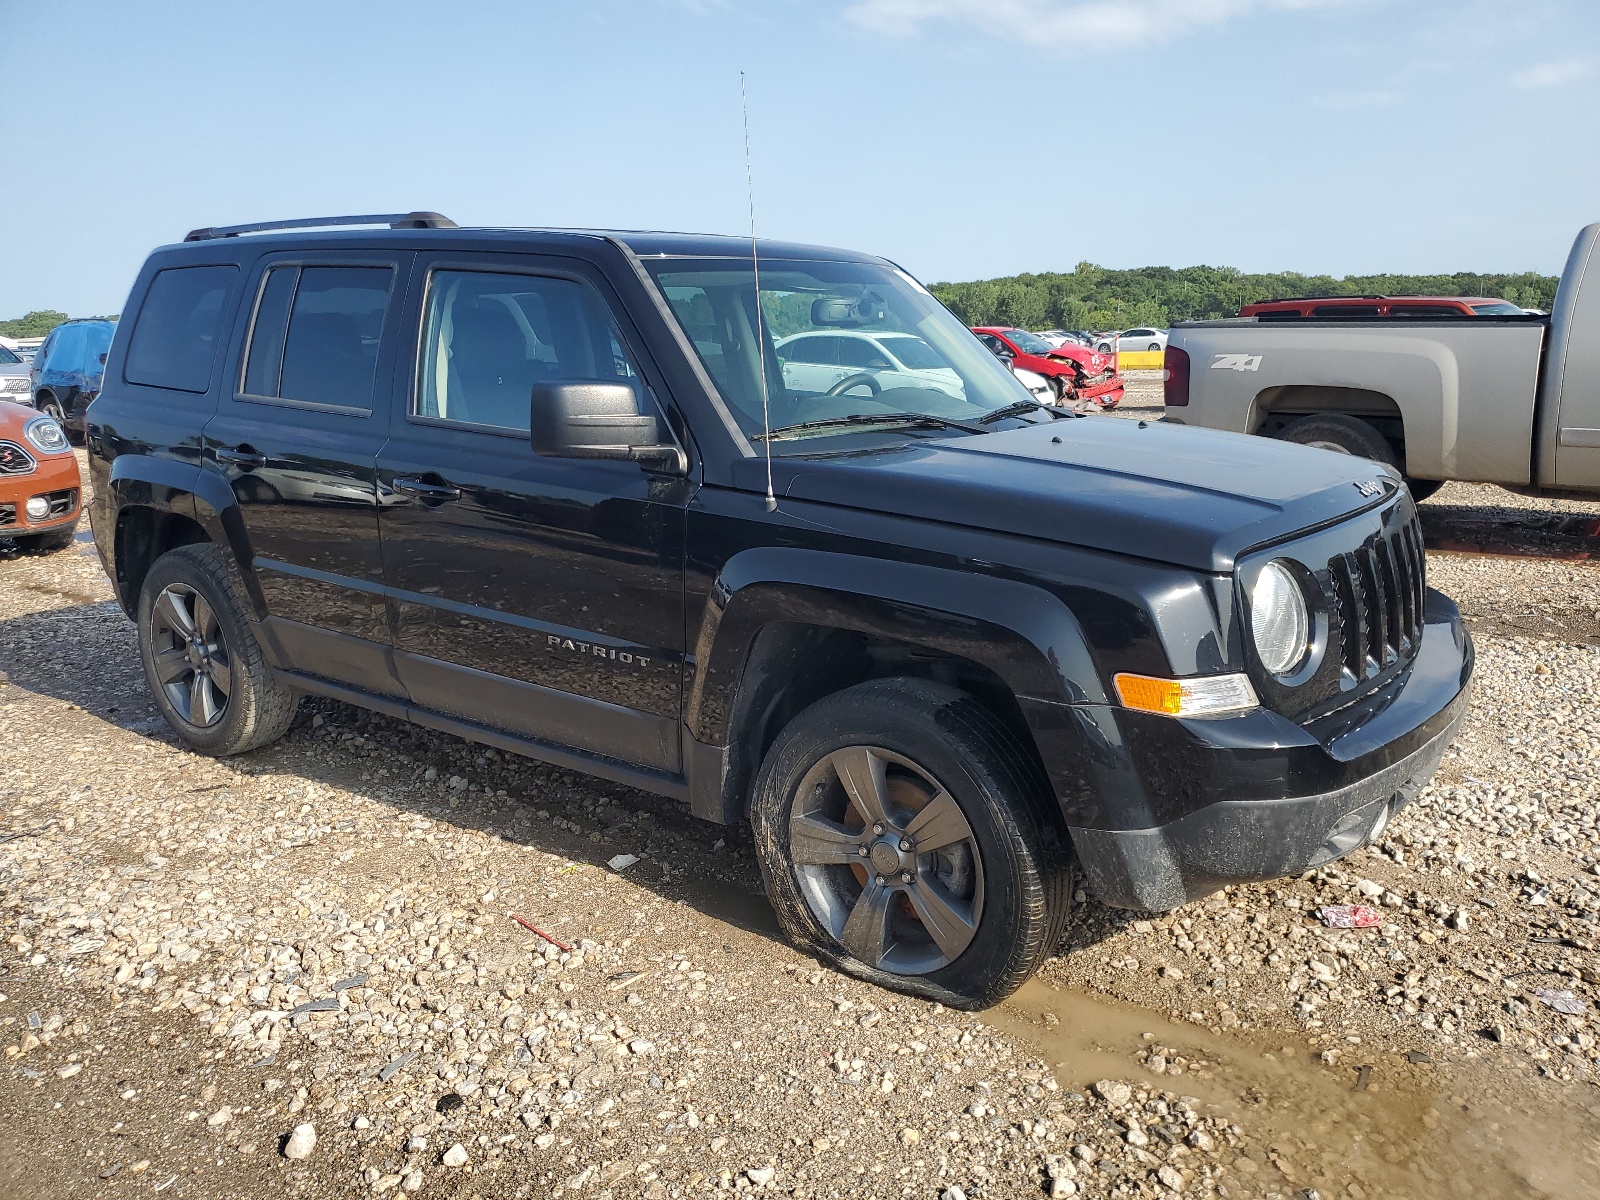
x: 1369, y: 487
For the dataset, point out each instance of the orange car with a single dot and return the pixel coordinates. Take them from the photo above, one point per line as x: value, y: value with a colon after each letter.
x: 40, y: 487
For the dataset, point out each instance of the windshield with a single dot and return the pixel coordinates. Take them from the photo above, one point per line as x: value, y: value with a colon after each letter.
x: 1028, y: 343
x: 7, y: 357
x: 1500, y: 308
x: 821, y: 363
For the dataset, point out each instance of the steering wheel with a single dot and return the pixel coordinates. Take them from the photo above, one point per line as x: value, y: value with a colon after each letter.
x: 859, y: 379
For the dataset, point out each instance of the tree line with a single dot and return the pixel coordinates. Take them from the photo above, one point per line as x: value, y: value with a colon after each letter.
x: 39, y: 323
x: 1098, y: 298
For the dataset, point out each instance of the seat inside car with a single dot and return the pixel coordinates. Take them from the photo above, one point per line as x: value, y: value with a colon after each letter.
x: 491, y: 376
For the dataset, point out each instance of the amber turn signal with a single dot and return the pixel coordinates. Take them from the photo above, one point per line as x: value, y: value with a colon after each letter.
x: 1206, y: 696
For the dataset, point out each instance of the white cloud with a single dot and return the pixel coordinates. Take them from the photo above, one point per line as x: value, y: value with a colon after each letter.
x: 1551, y: 74
x: 1069, y: 24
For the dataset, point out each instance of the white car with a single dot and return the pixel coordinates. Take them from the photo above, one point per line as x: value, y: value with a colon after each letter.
x: 1133, y: 339
x: 815, y: 363
x: 14, y: 381
x: 1062, y: 337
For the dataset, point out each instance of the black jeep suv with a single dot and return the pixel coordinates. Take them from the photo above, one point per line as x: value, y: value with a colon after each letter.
x: 799, y: 552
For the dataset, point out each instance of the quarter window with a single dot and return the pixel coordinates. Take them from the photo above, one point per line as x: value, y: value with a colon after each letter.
x: 489, y: 338
x: 316, y: 335
x: 175, y: 337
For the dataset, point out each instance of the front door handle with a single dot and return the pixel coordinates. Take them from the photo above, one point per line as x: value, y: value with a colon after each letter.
x: 243, y: 457
x: 425, y: 490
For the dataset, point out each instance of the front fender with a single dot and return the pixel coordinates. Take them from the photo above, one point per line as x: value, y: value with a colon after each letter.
x: 1025, y: 636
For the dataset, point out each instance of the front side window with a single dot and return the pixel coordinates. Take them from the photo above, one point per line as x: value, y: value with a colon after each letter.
x: 175, y: 336
x: 488, y: 338
x: 714, y: 301
x: 316, y: 335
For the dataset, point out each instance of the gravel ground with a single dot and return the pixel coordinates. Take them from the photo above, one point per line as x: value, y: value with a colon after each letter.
x: 205, y: 960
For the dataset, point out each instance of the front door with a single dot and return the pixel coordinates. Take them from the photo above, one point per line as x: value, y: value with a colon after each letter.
x: 297, y: 434
x: 541, y: 596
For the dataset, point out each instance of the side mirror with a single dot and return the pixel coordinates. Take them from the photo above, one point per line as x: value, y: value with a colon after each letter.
x: 590, y: 418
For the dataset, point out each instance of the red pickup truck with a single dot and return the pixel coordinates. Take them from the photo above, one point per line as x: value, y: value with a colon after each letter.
x: 1076, y: 372
x: 1358, y: 307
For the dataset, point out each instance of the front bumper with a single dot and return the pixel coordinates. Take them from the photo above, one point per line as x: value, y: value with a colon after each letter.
x: 1383, y: 763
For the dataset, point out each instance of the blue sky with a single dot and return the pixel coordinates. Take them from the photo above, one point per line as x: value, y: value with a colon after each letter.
x: 963, y: 138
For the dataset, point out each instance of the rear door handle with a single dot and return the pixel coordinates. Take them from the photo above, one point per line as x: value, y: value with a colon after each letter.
x: 426, y: 490
x: 248, y: 459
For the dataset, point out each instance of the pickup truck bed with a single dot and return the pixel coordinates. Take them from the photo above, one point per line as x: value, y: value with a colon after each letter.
x: 1507, y: 400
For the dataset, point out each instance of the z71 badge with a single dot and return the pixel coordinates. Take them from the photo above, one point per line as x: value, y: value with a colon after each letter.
x: 1237, y: 362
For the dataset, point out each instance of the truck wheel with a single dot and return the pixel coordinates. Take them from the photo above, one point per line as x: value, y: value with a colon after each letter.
x: 903, y: 834
x: 204, y: 666
x: 1421, y: 489
x: 1346, y: 435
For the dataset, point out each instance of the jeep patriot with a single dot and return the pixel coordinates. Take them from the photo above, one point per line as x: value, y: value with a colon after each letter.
x: 559, y: 492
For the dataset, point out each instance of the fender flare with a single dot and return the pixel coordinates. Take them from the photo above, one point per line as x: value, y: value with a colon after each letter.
x: 1025, y: 636
x: 189, y: 490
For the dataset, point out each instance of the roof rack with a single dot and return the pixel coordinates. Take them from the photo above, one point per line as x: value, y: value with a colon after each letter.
x: 1339, y: 296
x: 411, y: 220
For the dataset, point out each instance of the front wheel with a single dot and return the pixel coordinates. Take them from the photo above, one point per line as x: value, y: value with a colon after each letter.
x: 202, y: 661
x: 904, y: 834
x: 51, y: 407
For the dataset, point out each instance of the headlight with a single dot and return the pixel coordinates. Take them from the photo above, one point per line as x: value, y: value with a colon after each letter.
x: 1279, y: 619
x: 46, y: 435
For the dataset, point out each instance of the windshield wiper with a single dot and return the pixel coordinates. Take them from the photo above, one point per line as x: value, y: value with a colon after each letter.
x: 924, y: 420
x: 1013, y: 410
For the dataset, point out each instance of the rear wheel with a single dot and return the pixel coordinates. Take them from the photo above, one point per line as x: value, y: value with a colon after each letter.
x: 904, y: 835
x: 205, y: 669
x: 1342, y: 434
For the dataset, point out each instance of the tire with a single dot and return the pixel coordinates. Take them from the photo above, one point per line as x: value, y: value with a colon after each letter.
x: 1421, y: 489
x: 999, y: 889
x: 1343, y: 434
x: 49, y: 543
x: 1154, y: 346
x: 51, y: 407
x: 238, y: 703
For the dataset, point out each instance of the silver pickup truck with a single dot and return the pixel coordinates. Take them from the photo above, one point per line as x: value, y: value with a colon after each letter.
x: 1507, y: 400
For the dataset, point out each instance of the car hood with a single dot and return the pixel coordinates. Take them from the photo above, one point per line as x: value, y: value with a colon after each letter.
x: 1195, y: 498
x: 1092, y: 359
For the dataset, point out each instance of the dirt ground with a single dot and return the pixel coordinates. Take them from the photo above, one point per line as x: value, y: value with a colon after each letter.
x: 201, y: 958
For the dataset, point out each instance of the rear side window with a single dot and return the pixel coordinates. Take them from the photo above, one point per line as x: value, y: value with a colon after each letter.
x: 315, y: 335
x: 175, y: 337
x: 1345, y: 310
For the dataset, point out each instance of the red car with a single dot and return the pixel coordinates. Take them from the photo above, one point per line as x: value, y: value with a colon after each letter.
x: 1355, y: 307
x: 1076, y: 372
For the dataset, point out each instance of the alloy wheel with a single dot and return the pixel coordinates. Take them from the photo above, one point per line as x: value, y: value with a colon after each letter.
x: 886, y: 860
x: 192, y: 662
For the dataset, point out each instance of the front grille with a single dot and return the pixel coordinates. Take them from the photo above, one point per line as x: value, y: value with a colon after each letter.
x: 14, y: 460
x: 1378, y: 600
x: 8, y: 515
x: 14, y: 383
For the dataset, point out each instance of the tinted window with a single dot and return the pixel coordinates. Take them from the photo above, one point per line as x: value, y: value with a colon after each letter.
x: 915, y: 353
x: 489, y: 338
x: 7, y: 357
x: 1425, y: 310
x: 1500, y: 308
x: 314, y: 337
x: 1345, y: 310
x: 271, y: 322
x: 175, y: 338
x: 1140, y: 333
x: 858, y: 352
x: 820, y: 350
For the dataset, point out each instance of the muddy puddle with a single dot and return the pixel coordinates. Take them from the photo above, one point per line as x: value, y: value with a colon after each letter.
x: 1398, y: 1128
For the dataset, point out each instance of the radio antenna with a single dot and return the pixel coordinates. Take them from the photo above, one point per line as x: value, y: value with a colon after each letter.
x: 755, y: 266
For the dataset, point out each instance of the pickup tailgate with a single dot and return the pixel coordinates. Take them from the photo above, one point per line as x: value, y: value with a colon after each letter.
x: 1464, y: 388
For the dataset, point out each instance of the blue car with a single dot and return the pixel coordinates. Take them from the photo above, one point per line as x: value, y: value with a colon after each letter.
x: 67, y: 370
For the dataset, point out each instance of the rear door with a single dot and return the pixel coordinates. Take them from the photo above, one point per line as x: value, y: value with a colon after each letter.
x: 541, y: 596
x: 297, y: 436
